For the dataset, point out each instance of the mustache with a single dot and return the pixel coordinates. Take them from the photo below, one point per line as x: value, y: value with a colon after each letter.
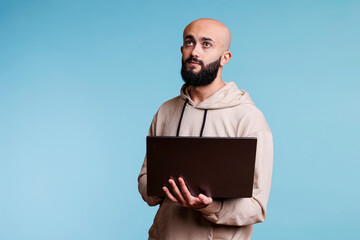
x: 194, y: 59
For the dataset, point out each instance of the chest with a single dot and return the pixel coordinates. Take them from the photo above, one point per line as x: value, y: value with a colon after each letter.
x: 218, y: 123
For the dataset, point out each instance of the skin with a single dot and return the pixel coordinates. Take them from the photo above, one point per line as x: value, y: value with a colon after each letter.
x: 206, y: 39
x: 183, y: 196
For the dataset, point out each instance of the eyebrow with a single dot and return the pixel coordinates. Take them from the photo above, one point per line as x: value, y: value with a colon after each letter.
x: 207, y: 39
x: 189, y: 36
x: 202, y: 39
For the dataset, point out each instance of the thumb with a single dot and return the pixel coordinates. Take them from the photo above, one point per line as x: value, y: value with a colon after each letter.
x: 205, y: 199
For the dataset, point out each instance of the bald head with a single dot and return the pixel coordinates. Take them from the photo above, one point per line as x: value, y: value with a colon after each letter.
x: 211, y: 28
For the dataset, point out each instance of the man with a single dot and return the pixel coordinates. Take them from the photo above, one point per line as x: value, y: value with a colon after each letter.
x: 207, y: 106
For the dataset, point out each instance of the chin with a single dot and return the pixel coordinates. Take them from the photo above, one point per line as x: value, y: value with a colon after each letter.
x: 194, y: 70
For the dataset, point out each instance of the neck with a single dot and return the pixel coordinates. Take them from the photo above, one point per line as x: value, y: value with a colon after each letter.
x: 199, y: 94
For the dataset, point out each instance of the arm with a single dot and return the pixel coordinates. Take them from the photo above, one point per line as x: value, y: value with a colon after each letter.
x: 245, y: 211
x: 142, y: 184
x: 142, y: 179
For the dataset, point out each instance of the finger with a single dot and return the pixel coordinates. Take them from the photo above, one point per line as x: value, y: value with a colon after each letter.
x: 204, y: 199
x: 169, y: 195
x: 187, y: 195
x: 176, y: 191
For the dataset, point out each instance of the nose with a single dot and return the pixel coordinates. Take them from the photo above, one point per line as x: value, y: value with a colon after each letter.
x: 196, y: 50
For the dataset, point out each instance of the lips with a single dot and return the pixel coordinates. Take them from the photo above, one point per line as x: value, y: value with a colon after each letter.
x: 194, y: 63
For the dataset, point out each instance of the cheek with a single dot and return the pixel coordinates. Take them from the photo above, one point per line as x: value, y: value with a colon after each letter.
x: 185, y: 56
x: 211, y: 60
x: 185, y: 53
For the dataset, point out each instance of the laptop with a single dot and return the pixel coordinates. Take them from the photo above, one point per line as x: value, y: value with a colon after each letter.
x: 215, y: 166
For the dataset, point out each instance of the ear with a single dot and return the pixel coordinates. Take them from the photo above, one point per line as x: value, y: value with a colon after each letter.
x: 181, y: 49
x: 226, y: 58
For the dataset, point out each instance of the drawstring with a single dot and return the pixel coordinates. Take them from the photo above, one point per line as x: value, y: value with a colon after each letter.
x: 182, y: 114
x: 203, y: 124
x: 181, y: 117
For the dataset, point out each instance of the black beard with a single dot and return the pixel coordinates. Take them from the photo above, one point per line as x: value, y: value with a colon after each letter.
x: 204, y: 77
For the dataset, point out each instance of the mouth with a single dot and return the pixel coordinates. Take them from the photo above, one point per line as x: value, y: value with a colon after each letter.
x: 194, y: 63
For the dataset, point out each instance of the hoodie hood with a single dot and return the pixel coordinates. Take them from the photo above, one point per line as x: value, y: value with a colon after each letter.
x: 227, y: 96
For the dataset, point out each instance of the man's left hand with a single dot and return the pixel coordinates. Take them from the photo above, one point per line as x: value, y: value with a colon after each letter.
x: 184, y: 197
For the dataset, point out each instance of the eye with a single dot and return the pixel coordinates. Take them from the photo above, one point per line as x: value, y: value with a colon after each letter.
x: 188, y: 43
x: 206, y: 44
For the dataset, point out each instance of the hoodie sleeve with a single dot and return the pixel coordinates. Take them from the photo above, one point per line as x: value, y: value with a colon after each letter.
x: 245, y: 211
x: 142, y: 179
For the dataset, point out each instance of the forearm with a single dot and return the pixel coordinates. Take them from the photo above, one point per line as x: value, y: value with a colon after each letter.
x: 245, y: 211
x: 234, y: 212
x: 142, y: 185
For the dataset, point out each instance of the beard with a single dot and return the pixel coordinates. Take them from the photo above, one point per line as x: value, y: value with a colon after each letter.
x: 205, y: 76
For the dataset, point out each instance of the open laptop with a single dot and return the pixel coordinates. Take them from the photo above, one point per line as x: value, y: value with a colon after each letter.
x: 217, y: 167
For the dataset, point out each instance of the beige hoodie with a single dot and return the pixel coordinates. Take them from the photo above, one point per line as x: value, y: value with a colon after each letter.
x: 231, y: 113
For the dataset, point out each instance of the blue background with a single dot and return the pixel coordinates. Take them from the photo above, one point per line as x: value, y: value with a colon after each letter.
x: 81, y: 80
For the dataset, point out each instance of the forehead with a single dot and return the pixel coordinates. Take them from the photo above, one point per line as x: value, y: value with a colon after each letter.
x: 200, y: 30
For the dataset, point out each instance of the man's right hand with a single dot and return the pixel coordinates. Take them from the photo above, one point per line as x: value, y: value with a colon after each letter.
x: 184, y: 197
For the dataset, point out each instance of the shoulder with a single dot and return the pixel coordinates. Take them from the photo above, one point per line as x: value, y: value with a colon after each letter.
x: 251, y: 118
x: 169, y: 109
x: 170, y: 105
x: 164, y: 114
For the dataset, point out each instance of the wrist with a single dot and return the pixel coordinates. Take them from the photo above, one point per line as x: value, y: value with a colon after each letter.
x: 211, y: 208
